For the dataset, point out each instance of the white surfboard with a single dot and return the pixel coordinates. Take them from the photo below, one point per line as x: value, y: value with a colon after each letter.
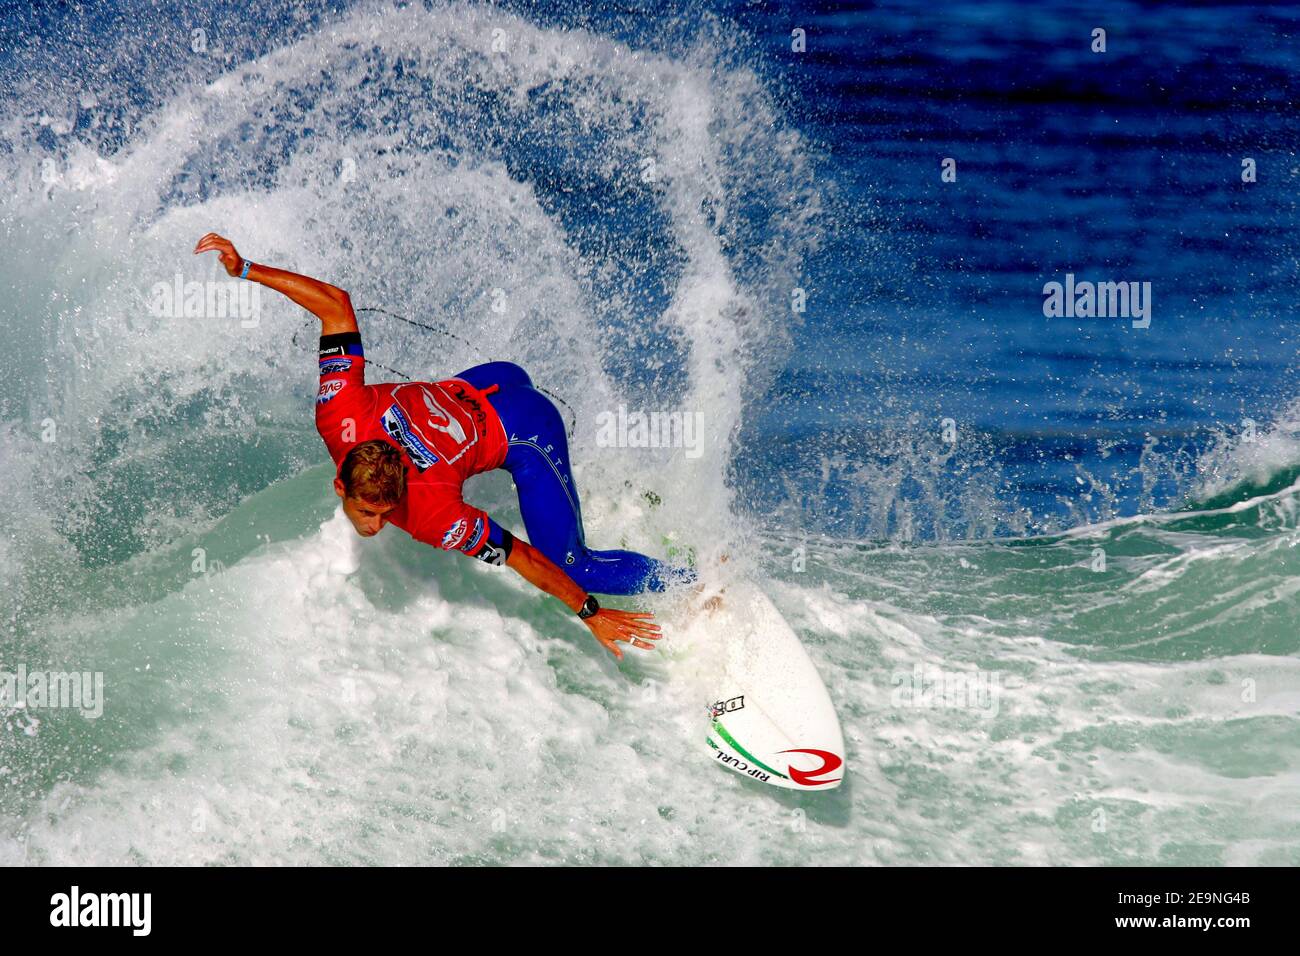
x: 768, y: 715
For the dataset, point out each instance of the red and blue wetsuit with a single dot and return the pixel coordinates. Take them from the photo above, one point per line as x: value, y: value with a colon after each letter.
x: 486, y: 417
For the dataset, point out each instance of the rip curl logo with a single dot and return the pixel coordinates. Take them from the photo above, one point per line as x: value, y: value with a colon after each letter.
x: 329, y: 389
x: 453, y: 534
x: 437, y: 418
x: 830, y: 763
x: 440, y: 419
x: 740, y: 766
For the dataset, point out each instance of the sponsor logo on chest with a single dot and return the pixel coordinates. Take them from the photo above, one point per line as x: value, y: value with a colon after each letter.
x: 398, y: 428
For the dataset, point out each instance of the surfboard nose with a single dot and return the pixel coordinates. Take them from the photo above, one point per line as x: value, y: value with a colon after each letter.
x: 772, y: 718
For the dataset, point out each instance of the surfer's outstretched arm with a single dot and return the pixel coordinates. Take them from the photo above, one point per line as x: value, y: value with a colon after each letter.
x: 328, y: 303
x: 609, y: 625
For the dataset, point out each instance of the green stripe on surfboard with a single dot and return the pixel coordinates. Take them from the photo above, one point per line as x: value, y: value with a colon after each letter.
x: 722, y: 732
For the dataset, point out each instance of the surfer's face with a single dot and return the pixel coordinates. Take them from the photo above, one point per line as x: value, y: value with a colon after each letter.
x: 366, y: 516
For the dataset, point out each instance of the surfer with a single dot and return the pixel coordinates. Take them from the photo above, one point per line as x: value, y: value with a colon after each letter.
x: 403, y: 450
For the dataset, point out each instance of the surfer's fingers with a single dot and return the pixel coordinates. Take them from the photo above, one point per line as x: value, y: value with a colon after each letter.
x: 632, y: 633
x: 637, y: 620
x: 210, y: 245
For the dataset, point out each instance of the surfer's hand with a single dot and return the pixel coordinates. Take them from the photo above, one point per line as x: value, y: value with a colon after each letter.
x: 230, y: 259
x: 613, y: 626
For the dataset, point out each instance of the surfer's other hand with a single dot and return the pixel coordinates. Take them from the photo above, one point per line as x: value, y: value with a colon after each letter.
x: 230, y: 258
x: 612, y: 626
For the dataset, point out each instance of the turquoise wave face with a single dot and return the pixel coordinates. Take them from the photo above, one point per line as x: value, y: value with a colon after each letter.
x: 1211, y: 580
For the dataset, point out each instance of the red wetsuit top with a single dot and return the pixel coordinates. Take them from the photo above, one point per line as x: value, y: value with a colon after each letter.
x: 445, y: 431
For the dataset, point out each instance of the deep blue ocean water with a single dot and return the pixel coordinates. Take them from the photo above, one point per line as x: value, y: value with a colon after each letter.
x: 926, y: 298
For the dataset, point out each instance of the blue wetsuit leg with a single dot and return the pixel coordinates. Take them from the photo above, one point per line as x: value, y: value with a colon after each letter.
x: 538, y: 460
x: 500, y: 374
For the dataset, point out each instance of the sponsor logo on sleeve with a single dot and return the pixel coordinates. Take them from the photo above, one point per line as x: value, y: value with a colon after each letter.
x: 475, y: 537
x: 329, y: 389
x: 335, y: 365
x: 452, y: 536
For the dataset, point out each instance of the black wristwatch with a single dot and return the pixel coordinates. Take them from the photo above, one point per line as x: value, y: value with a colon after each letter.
x: 589, y: 607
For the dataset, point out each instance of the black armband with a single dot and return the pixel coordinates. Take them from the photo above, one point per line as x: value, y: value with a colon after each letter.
x: 494, y: 551
x: 507, y: 543
x: 341, y: 343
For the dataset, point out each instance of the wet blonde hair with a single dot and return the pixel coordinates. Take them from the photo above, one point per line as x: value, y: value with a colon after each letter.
x: 373, y: 471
